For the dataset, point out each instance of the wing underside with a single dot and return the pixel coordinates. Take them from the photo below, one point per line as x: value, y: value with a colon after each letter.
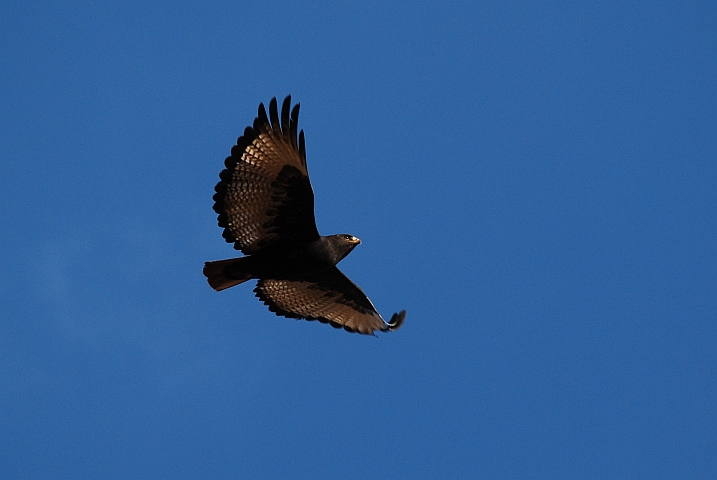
x: 264, y: 193
x: 329, y: 297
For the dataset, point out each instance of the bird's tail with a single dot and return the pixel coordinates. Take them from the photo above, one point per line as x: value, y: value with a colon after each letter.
x: 223, y: 274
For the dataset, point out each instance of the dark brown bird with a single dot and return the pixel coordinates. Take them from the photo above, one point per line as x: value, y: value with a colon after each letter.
x: 266, y: 207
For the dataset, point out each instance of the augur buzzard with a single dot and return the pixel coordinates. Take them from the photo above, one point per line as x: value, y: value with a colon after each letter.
x: 266, y: 208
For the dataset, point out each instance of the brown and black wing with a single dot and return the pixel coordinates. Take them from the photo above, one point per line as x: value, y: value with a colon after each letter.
x: 329, y: 297
x: 264, y: 195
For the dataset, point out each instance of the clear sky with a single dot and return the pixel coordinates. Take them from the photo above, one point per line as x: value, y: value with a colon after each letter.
x: 534, y: 182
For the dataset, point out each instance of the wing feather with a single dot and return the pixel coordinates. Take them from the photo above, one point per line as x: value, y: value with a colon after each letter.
x: 329, y: 297
x: 264, y: 195
x: 285, y: 109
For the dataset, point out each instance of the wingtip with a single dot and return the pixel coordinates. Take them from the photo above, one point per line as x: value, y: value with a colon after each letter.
x: 396, y: 321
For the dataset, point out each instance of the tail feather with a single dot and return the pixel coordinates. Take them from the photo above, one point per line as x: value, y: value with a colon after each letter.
x: 223, y: 274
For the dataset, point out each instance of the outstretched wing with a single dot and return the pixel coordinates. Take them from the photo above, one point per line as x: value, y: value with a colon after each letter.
x: 329, y: 297
x: 264, y: 195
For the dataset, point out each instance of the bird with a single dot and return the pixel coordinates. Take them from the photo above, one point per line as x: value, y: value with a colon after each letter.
x: 265, y: 204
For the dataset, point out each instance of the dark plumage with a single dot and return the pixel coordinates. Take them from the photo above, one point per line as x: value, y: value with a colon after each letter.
x: 266, y: 208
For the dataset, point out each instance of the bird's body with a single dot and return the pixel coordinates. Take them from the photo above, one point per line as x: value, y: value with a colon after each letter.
x: 266, y: 206
x: 285, y: 261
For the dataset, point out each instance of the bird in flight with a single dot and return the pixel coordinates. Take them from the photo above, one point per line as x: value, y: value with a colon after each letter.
x: 265, y: 205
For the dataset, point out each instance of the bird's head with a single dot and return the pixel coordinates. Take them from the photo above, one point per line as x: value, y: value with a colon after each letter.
x: 341, y: 245
x: 350, y: 239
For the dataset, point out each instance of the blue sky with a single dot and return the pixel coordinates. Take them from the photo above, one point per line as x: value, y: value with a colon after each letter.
x: 534, y: 182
